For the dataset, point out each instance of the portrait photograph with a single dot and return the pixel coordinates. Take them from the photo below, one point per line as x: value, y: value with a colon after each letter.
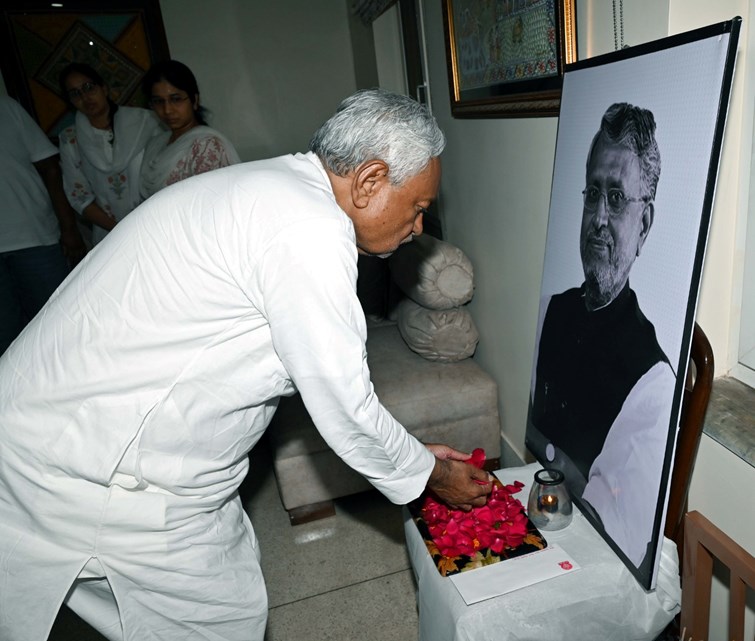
x: 638, y: 140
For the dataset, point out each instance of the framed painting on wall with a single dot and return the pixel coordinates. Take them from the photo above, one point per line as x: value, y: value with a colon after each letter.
x: 120, y: 39
x: 506, y: 58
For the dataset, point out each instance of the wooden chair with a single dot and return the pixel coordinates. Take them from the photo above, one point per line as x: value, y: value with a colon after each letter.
x: 694, y: 404
x: 697, y: 391
x: 703, y: 542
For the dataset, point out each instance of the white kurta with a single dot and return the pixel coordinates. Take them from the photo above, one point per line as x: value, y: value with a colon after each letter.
x: 128, y: 406
x: 96, y: 170
x: 625, y: 477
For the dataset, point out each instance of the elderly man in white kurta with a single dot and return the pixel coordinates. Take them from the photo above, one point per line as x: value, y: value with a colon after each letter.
x: 128, y: 407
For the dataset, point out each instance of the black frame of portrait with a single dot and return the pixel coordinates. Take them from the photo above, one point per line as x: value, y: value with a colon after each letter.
x: 667, y: 280
x: 37, y: 39
x: 526, y: 94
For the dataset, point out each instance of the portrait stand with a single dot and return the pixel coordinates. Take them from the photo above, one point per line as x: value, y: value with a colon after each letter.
x: 628, y: 225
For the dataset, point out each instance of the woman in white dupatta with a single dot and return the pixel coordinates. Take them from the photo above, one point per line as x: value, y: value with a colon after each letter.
x: 101, y: 154
x: 190, y: 147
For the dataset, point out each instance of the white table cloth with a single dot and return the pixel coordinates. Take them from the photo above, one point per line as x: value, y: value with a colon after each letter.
x: 601, y: 601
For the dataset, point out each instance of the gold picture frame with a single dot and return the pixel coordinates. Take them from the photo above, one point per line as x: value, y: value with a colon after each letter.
x: 507, y: 58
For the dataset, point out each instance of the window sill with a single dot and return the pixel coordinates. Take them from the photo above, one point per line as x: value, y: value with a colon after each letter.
x: 730, y: 419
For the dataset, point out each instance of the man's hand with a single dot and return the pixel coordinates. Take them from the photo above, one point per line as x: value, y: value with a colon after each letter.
x: 459, y: 484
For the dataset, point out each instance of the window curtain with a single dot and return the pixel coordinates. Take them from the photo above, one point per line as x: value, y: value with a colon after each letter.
x: 369, y: 10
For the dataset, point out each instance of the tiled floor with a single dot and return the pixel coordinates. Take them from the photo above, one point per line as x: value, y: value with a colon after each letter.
x: 342, y: 578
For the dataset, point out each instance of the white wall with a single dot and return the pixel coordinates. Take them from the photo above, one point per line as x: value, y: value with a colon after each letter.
x: 644, y: 20
x: 389, y: 51
x: 270, y: 72
x: 719, y: 304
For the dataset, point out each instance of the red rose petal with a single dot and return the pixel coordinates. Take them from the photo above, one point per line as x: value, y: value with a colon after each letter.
x: 498, y: 525
x: 478, y: 458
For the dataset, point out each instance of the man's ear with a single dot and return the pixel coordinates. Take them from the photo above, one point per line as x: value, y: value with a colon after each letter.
x: 369, y: 179
x: 646, y: 222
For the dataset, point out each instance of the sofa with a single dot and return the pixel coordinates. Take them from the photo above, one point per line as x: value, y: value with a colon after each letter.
x: 420, y: 340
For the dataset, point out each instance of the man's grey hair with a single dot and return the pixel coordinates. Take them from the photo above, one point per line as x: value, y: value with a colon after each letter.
x: 375, y: 124
x: 633, y: 128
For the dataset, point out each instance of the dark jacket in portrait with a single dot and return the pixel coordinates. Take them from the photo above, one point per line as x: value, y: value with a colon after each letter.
x: 587, y: 364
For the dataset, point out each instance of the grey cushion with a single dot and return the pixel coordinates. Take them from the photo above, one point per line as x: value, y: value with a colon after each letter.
x: 446, y: 335
x: 433, y: 273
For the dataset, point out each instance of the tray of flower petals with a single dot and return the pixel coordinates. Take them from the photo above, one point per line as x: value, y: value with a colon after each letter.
x: 460, y: 541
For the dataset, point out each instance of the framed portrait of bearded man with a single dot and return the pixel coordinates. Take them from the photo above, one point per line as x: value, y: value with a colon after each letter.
x: 637, y: 152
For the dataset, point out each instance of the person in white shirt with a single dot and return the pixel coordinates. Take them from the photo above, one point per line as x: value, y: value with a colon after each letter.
x: 127, y: 409
x: 39, y: 240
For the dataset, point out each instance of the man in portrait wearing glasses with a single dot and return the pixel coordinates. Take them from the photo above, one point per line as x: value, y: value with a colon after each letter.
x: 602, y: 383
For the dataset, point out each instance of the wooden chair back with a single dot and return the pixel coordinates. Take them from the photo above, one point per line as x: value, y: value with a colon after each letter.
x: 697, y: 391
x: 703, y: 542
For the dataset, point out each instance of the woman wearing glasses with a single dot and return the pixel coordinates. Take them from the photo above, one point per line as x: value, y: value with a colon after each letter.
x: 190, y: 147
x: 101, y: 154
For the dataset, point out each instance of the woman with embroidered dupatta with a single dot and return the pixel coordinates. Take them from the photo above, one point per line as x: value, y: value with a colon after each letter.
x: 190, y: 147
x: 101, y: 154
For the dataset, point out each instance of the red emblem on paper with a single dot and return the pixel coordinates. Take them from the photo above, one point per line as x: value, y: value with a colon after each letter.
x: 565, y: 565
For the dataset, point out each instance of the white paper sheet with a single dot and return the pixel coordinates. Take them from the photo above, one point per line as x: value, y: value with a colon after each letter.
x: 512, y: 574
